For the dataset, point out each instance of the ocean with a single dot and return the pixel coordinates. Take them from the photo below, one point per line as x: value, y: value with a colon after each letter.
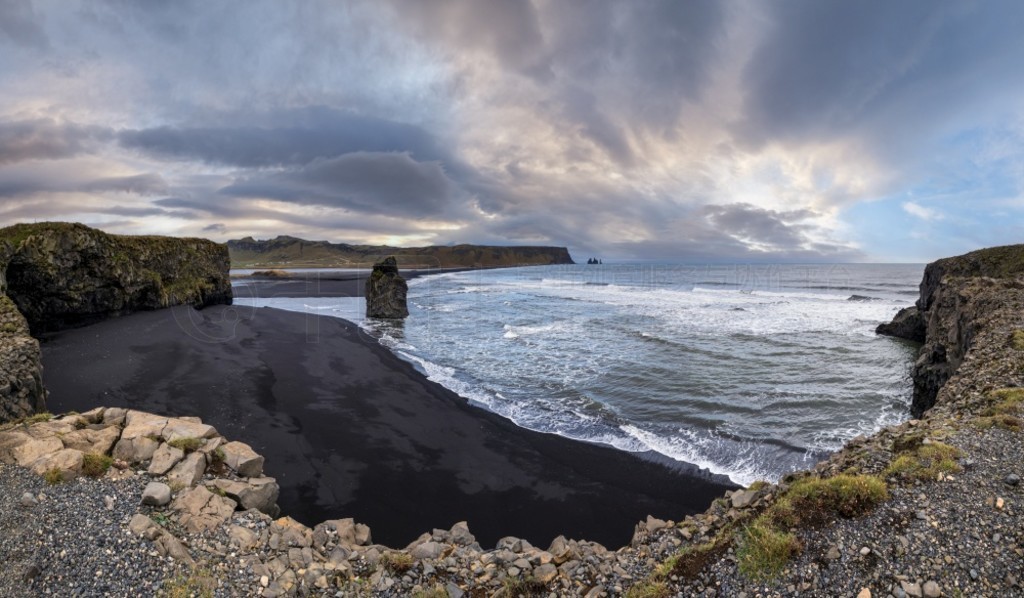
x: 746, y: 371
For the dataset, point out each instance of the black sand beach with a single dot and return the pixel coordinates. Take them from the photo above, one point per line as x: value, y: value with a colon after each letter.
x: 350, y: 430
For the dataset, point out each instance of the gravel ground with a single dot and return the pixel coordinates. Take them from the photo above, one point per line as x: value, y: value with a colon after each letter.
x: 64, y: 541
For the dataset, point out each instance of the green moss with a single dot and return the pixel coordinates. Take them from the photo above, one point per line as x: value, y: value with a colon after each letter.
x: 995, y: 262
x: 437, y: 591
x: 95, y: 465
x: 925, y: 462
x: 814, y: 500
x: 1017, y: 340
x: 1004, y: 421
x: 764, y: 550
x: 758, y: 485
x: 186, y: 443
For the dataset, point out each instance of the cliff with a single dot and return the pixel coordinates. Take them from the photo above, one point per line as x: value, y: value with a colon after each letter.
x: 21, y: 370
x: 958, y: 297
x: 62, y: 275
x: 291, y: 252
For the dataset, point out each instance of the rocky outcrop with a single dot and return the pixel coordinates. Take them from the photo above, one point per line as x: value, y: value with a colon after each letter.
x: 386, y: 291
x: 291, y: 252
x: 21, y: 368
x: 189, y: 463
x: 62, y: 275
x: 958, y: 297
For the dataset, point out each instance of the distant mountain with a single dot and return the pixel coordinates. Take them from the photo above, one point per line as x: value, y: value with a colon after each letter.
x: 290, y: 252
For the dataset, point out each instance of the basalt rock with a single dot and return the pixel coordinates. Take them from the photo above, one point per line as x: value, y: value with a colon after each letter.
x: 957, y: 296
x: 21, y: 369
x: 386, y: 291
x: 62, y: 275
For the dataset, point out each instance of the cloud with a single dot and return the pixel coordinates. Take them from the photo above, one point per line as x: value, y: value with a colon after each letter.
x: 44, y: 139
x: 140, y: 184
x: 919, y: 211
x: 18, y: 24
x: 369, y: 182
x: 291, y: 137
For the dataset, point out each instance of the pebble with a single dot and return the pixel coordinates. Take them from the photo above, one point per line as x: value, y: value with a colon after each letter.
x: 1012, y: 480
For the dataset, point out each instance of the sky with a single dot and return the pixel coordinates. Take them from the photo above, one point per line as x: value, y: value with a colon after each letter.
x: 735, y: 130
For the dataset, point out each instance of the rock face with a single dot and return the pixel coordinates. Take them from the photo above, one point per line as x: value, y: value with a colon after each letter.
x: 957, y: 294
x: 21, y: 369
x: 386, y: 291
x: 62, y: 275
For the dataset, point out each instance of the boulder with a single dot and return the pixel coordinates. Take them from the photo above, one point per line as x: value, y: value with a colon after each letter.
x: 200, y: 510
x: 33, y: 449
x: 386, y: 291
x: 67, y: 461
x: 241, y: 458
x: 156, y: 494
x: 252, y: 493
x: 181, y: 428
x: 164, y: 459
x: 426, y: 550
x: 115, y: 416
x: 188, y: 471
x: 10, y: 440
x: 142, y: 424
x: 135, y: 450
x: 92, y: 441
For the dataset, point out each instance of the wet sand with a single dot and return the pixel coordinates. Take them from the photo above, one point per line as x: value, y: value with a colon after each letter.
x: 351, y: 430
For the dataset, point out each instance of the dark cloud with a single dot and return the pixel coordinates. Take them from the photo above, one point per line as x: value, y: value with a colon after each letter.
x: 385, y: 183
x: 295, y: 137
x: 44, y: 139
x: 216, y: 228
x: 18, y: 24
x: 140, y: 184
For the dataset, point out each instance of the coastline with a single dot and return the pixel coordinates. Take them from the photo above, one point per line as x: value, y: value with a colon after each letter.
x: 351, y: 430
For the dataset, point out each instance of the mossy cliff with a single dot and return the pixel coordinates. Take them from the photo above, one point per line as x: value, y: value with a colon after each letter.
x: 958, y: 296
x: 62, y: 275
x: 58, y: 275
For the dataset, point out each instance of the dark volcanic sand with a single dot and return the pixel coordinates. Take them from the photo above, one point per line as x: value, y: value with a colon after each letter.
x: 350, y: 430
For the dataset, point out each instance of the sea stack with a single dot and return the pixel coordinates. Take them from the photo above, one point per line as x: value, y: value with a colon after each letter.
x: 386, y: 291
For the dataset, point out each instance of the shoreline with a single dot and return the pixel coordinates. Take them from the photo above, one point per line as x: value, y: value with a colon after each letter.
x: 422, y: 456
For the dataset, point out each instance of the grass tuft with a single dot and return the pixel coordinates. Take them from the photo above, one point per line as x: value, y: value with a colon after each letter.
x: 38, y: 418
x: 764, y: 550
x: 396, y: 562
x: 199, y: 583
x: 186, y: 443
x: 95, y: 465
x: 514, y: 587
x: 925, y: 462
x: 53, y: 476
x: 649, y: 589
x: 437, y: 591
